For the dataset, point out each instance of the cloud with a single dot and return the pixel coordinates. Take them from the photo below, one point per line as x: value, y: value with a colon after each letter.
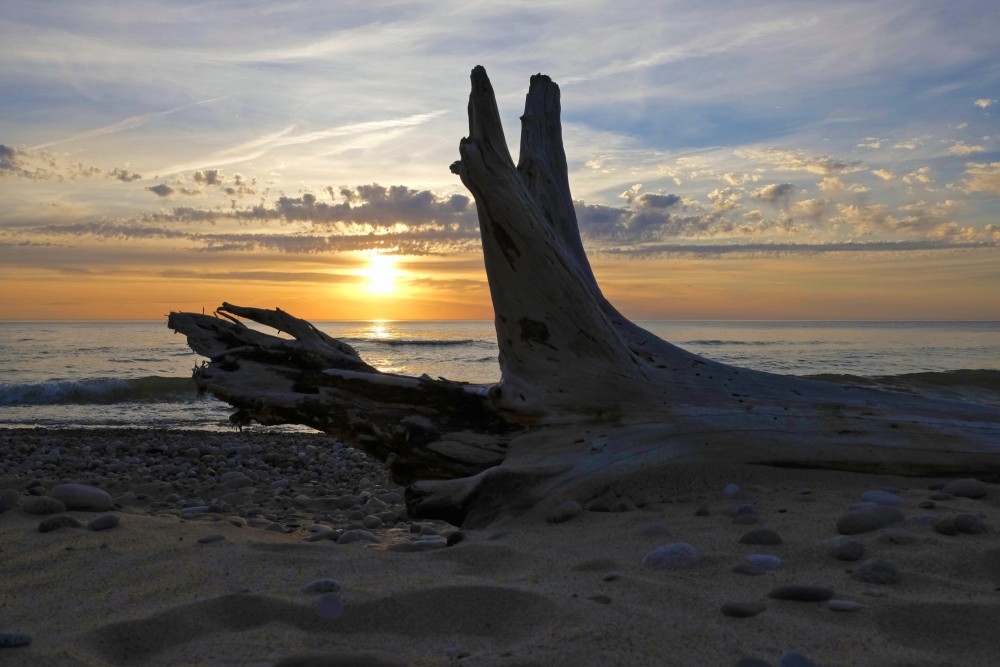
x: 961, y: 148
x: 798, y: 160
x: 982, y: 177
x: 161, y: 190
x: 124, y: 175
x: 127, y: 124
x: 984, y: 103
x: 777, y: 249
x: 776, y: 194
x: 909, y: 144
x: 884, y: 174
x: 208, y: 177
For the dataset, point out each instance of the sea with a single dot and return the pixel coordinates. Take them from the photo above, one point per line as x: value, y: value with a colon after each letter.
x: 138, y: 374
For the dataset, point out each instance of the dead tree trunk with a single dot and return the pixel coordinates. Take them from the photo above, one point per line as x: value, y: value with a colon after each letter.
x: 587, y: 398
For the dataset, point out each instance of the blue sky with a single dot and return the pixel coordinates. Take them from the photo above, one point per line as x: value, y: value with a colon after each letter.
x: 247, y: 136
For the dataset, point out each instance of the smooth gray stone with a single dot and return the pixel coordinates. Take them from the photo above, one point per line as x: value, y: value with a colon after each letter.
x: 801, y: 593
x: 896, y: 536
x: 352, y: 536
x: 730, y: 490
x: 763, y: 536
x: 321, y: 586
x: 565, y: 512
x: 371, y: 522
x: 42, y: 505
x: 946, y: 526
x: 749, y: 570
x: 966, y: 488
x: 673, y: 556
x: 14, y: 639
x: 8, y: 499
x: 82, y: 497
x: 844, y: 548
x: 653, y: 529
x: 742, y: 609
x: 876, y: 571
x: 747, y: 661
x: 795, y: 659
x: 856, y: 522
x: 844, y: 605
x: 103, y: 522
x: 880, y: 497
x: 970, y: 524
x: 765, y: 561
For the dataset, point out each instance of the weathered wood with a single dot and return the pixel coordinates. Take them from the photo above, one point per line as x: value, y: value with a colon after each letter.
x: 587, y: 399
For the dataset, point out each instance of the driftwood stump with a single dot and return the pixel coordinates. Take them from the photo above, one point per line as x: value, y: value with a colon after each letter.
x: 586, y: 399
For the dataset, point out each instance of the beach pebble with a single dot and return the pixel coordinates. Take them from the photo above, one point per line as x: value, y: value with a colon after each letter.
x: 844, y: 605
x: 970, y: 524
x: 210, y: 539
x: 763, y: 536
x: 352, y: 536
x: 345, y: 658
x: 565, y: 512
x: 8, y: 499
x: 879, y: 497
x: 966, y: 488
x: 946, y: 526
x: 42, y: 505
x: 747, y: 661
x: 750, y: 570
x: 672, y: 556
x: 856, y: 522
x: 322, y: 586
x: 896, y: 536
x: 329, y: 606
x: 765, y: 561
x: 611, y: 575
x: 51, y: 523
x: 653, y: 529
x: 103, y: 522
x: 371, y: 522
x: 14, y: 639
x: 742, y: 609
x: 876, y: 571
x: 730, y: 490
x: 82, y: 497
x: 235, y: 479
x: 801, y: 593
x: 274, y: 527
x: 795, y: 659
x: 843, y: 547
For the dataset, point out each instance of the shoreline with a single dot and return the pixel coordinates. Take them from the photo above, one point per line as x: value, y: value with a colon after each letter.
x: 211, y: 583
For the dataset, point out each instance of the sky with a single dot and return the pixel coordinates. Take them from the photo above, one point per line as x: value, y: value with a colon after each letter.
x: 729, y: 160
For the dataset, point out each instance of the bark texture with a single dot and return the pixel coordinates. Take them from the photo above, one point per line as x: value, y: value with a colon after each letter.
x: 587, y: 399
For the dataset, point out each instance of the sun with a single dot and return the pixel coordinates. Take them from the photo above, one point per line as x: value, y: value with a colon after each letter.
x: 381, y: 275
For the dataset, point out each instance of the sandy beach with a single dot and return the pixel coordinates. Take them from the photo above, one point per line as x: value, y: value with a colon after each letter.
x: 261, y: 549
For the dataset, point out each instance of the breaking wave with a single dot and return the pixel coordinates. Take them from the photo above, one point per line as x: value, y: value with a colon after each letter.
x: 967, y: 384
x: 97, y: 391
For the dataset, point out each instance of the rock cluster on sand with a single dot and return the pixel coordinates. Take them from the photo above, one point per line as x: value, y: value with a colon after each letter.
x: 272, y: 481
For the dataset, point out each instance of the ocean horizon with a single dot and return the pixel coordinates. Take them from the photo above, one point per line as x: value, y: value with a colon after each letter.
x: 137, y: 373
